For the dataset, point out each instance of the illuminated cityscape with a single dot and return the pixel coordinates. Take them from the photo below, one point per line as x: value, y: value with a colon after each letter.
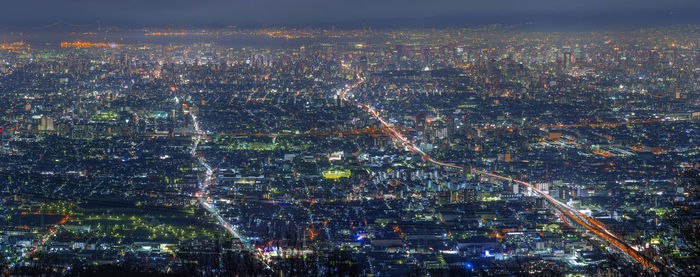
x: 376, y: 140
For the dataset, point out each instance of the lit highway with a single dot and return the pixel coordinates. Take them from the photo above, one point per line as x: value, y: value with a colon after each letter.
x: 400, y: 145
x: 588, y: 223
x: 203, y: 192
x: 35, y: 246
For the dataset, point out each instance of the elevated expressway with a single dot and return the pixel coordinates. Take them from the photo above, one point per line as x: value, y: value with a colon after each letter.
x: 589, y: 224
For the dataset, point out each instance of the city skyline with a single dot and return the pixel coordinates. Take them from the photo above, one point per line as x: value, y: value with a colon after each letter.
x: 393, y: 13
x: 329, y: 138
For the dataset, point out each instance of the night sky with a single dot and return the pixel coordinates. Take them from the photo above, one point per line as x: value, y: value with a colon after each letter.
x: 297, y: 12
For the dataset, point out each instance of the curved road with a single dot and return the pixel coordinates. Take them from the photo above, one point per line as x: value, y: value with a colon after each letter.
x: 589, y: 223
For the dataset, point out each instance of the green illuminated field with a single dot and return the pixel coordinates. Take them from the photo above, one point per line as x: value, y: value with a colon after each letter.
x: 135, y: 222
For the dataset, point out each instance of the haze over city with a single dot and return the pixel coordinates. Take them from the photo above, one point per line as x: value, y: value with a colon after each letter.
x: 349, y: 138
x: 397, y: 13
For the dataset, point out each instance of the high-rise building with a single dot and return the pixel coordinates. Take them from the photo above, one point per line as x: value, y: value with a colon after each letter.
x: 46, y: 124
x: 421, y: 120
x: 569, y: 60
x: 451, y: 126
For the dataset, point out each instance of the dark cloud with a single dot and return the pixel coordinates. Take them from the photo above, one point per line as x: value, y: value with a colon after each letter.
x: 326, y: 11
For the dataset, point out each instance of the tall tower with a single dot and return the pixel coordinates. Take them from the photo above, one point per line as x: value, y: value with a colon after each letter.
x: 569, y: 60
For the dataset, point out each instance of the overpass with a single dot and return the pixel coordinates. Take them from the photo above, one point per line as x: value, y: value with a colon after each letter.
x: 586, y: 222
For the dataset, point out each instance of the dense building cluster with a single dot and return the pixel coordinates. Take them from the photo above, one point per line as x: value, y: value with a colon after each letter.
x: 300, y: 156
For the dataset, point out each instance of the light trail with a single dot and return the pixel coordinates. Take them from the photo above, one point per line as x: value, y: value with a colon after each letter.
x: 592, y: 225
